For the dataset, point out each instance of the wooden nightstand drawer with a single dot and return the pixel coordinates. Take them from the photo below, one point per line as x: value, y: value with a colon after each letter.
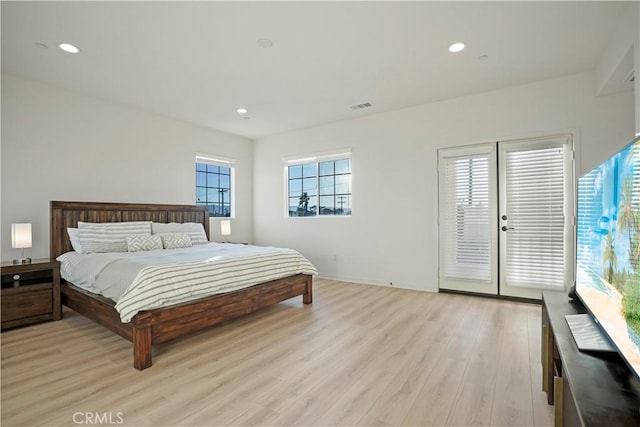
x: 26, y: 304
x: 30, y: 292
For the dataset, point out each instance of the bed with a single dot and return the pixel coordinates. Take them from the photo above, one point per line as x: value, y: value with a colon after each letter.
x: 151, y: 327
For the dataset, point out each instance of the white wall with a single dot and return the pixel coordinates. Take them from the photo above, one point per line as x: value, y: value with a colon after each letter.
x: 621, y: 56
x: 62, y: 145
x: 392, y: 236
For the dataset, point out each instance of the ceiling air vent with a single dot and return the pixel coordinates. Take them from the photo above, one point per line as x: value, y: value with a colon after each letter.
x: 361, y: 106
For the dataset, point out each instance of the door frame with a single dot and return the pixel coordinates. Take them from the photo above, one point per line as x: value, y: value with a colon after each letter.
x: 574, y: 134
x: 569, y: 210
x: 489, y: 287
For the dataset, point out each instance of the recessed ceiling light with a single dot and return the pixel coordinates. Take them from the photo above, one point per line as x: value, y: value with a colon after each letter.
x: 483, y: 57
x: 41, y: 45
x: 456, y: 47
x: 69, y: 48
x: 265, y: 43
x: 242, y: 110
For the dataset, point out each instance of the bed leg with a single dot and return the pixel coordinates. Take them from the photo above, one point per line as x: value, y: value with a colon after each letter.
x: 141, y: 347
x: 307, y: 296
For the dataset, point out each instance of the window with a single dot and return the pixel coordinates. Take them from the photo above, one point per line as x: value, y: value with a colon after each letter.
x: 465, y: 199
x: 320, y: 188
x: 214, y: 184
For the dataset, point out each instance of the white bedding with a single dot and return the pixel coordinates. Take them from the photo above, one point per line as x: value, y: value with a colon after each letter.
x: 140, y: 281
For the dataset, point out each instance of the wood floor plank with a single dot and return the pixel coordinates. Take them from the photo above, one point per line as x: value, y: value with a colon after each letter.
x: 397, y: 398
x: 513, y: 400
x: 359, y: 355
x: 435, y: 400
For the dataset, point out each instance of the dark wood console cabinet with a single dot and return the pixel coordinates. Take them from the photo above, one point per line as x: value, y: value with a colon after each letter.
x: 587, y: 389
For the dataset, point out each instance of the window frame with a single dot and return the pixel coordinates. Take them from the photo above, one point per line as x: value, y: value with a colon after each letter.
x: 214, y: 160
x: 316, y: 160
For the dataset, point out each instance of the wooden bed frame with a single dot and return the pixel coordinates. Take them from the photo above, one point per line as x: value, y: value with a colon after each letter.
x: 163, y: 324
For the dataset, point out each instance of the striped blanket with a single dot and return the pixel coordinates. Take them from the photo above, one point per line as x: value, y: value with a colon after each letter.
x: 157, y: 286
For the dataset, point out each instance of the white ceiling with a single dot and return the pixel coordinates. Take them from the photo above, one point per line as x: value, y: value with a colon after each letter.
x: 199, y: 61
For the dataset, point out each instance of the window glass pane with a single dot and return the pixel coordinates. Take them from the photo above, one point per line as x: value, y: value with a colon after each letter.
x: 313, y: 205
x: 326, y: 205
x: 309, y: 170
x: 343, y: 166
x: 295, y: 171
x: 224, y: 181
x: 343, y: 184
x: 226, y: 197
x: 201, y: 167
x: 201, y: 179
x: 343, y: 205
x: 326, y: 168
x: 226, y: 210
x: 326, y: 185
x: 212, y: 195
x: 213, y: 168
x: 295, y: 187
x: 201, y: 195
x: 225, y: 171
x: 309, y: 186
x: 212, y: 179
x: 302, y: 206
x: 293, y: 206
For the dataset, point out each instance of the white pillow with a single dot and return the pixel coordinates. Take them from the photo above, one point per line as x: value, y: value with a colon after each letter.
x: 193, y: 229
x: 74, y: 237
x: 110, y: 236
x: 176, y: 240
x: 142, y: 242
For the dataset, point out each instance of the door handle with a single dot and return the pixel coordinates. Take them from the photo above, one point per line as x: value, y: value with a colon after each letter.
x: 505, y: 228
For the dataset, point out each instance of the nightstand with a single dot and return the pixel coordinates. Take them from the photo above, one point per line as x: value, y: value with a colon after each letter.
x: 30, y: 292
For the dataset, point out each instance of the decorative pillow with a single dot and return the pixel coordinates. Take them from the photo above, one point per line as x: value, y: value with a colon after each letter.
x: 142, y: 242
x: 193, y: 229
x: 74, y: 237
x: 176, y: 240
x: 110, y: 236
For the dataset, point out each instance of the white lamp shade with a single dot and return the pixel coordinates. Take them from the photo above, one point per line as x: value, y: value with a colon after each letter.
x: 225, y: 227
x: 20, y: 236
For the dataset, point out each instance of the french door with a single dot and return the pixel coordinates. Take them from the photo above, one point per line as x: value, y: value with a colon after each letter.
x: 506, y: 217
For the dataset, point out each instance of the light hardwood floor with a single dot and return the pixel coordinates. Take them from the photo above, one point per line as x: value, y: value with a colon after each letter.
x: 359, y: 355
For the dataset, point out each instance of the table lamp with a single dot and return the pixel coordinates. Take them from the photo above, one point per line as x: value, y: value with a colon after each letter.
x: 225, y: 228
x: 21, y: 239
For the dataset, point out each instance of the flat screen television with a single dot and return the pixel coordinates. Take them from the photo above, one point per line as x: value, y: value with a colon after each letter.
x: 608, y: 249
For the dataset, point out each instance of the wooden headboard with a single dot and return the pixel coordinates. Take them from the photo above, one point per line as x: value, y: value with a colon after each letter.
x: 67, y: 214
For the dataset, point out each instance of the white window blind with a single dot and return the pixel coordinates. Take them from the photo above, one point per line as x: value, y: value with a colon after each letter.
x: 466, y: 216
x: 535, y: 252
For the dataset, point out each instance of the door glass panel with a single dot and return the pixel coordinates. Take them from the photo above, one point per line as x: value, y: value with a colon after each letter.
x: 468, y: 219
